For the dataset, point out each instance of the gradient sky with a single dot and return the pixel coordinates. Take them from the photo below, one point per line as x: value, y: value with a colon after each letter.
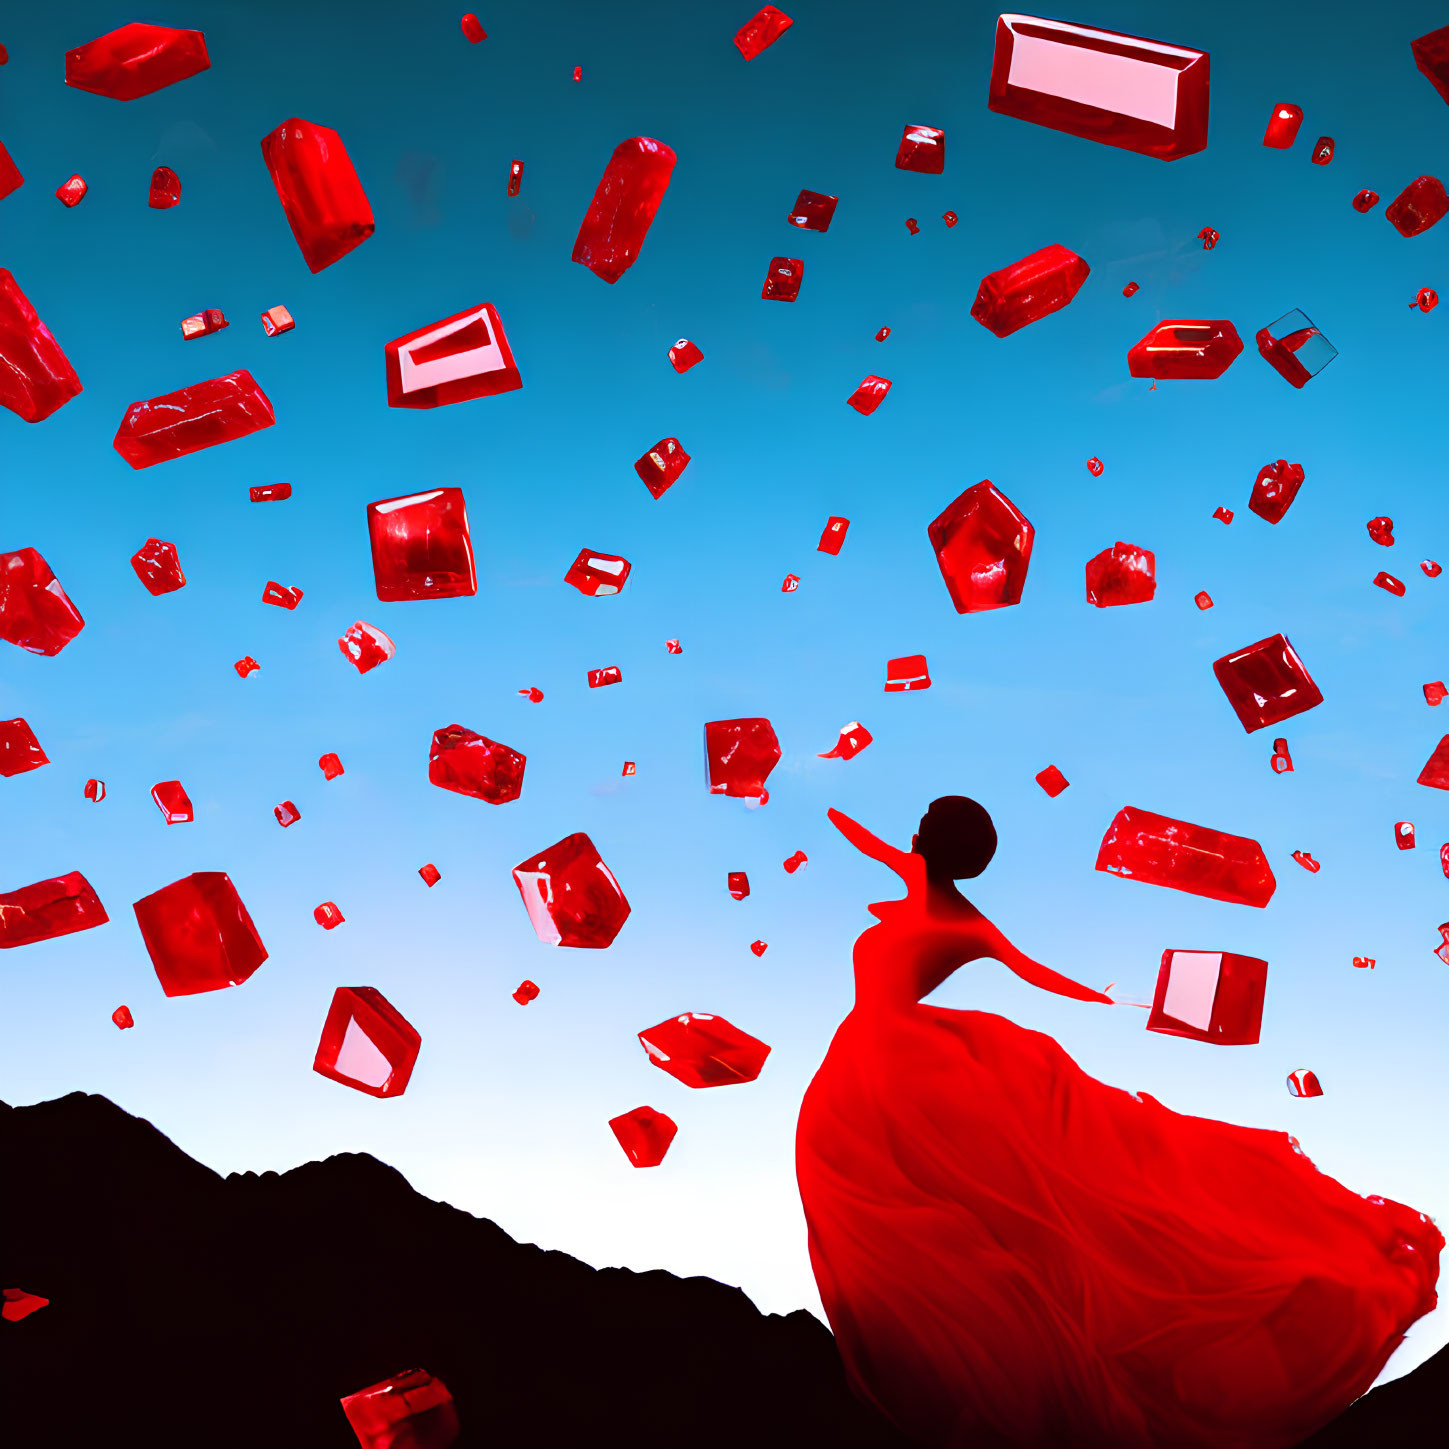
x: 506, y: 1113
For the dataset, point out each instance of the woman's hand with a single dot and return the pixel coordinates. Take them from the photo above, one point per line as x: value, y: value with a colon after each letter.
x: 906, y: 864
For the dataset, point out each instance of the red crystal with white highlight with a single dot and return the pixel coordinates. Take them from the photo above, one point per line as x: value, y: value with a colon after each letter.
x: 622, y: 211
x: 136, y: 61
x: 49, y: 908
x: 703, y: 1050
x: 463, y: 357
x: 571, y: 896
x: 36, y: 614
x: 319, y: 189
x: 36, y: 377
x: 467, y: 763
x: 367, y: 1044
x: 219, y: 410
x: 982, y: 543
x: 1029, y: 290
x: 422, y: 547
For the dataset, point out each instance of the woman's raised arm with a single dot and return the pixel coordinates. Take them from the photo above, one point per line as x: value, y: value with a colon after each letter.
x: 1036, y: 974
x: 905, y: 863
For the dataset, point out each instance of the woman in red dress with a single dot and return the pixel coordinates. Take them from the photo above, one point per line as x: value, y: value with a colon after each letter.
x: 1013, y: 1253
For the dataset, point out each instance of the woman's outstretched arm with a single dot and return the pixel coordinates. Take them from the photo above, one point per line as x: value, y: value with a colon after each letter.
x: 900, y: 861
x: 1036, y: 974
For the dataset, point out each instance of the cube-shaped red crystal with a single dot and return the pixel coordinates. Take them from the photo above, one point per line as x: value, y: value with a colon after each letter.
x: 737, y: 882
x: 907, y: 673
x: 684, y: 355
x: 1266, y: 683
x: 1122, y: 574
x: 328, y: 916
x: 660, y: 467
x: 276, y: 320
x: 20, y: 751
x: 203, y: 415
x: 702, y: 1050
x: 463, y: 357
x: 645, y: 1135
x: 869, y: 395
x: 173, y: 802
x: 1210, y: 996
x: 1295, y: 348
x: 782, y: 281
x: 982, y: 543
x: 739, y: 755
x: 318, y: 187
x: 832, y: 536
x: 431, y: 875
x: 923, y: 149
x: 759, y: 32
x: 467, y: 763
x: 1052, y: 781
x: 203, y: 324
x: 158, y: 567
x: 1161, y: 851
x: 136, y: 60
x: 49, y: 908
x: 199, y: 935
x: 1185, y: 350
x: 367, y: 1044
x: 1420, y: 205
x: 421, y: 547
x: 1029, y: 290
x: 36, y: 377
x: 623, y: 208
x: 411, y: 1410
x: 598, y: 574
x: 571, y: 896
x: 1275, y: 489
x: 35, y: 613
x: 813, y: 211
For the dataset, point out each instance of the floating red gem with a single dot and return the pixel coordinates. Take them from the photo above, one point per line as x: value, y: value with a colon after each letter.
x: 1364, y: 963
x: 286, y: 813
x: 629, y: 768
x: 1303, y: 1083
x: 328, y: 916
x: 72, y: 191
x: 1366, y: 200
x: 136, y: 60
x: 882, y: 334
x: 1224, y: 515
x: 203, y: 324
x: 1426, y: 300
x: 219, y: 410
x: 158, y: 567
x: 1404, y: 834
x: 1052, y: 781
x: 684, y: 355
x: 1307, y: 861
x: 869, y: 395
x: 1420, y: 205
x: 165, y: 189
x: 660, y: 467
x: 1435, y: 773
x: 20, y: 751
x: 610, y: 674
x: 913, y: 226
x: 36, y: 377
x: 276, y: 320
x: 95, y: 791
x: 49, y: 908
x: 526, y: 992
x: 645, y: 1134
x: 1161, y: 851
x: 1295, y: 348
x: 321, y: 196
x: 515, y: 177
x: 19, y: 1304
x: 854, y: 737
x: 571, y: 896
x: 791, y: 584
x: 1275, y: 489
x: 1389, y: 584
x: 1182, y: 350
x: 468, y: 763
x: 35, y: 613
x: 950, y: 218
x: 1431, y: 569
x: 245, y: 666
x: 832, y: 537
x: 923, y: 149
x: 739, y: 755
x: 578, y: 73
x: 421, y: 547
x: 702, y: 1050
x: 1095, y: 467
x: 982, y: 543
x: 1209, y: 238
x: 1435, y: 693
x: 1203, y: 599
x: 533, y: 695
x: 463, y: 357
x: 1210, y: 996
x: 782, y: 281
x: 674, y: 646
x: 759, y: 947
x: 473, y: 30
x: 907, y: 673
x: 1029, y: 290
x: 10, y: 177
x: 758, y: 33
x: 366, y: 646
x: 282, y: 595
x: 1381, y: 530
x: 1431, y: 55
x: 598, y: 574
x: 123, y: 1018
x: 1281, y: 761
x: 813, y: 211
x: 1322, y: 151
x: 738, y: 884
x: 431, y: 875
x: 173, y: 802
x: 411, y: 1410
x: 1283, y: 126
x: 199, y: 935
x: 1131, y: 289
x: 369, y: 1045
x: 270, y: 493
x: 1266, y: 683
x: 625, y: 201
x: 1122, y: 574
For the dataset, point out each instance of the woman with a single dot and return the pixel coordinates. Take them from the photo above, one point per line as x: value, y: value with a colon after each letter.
x: 1013, y: 1253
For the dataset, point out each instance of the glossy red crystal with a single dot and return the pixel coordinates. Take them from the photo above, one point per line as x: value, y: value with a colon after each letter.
x: 1158, y: 850
x: 95, y: 791
x: 49, y: 908
x: 1120, y: 90
x: 629, y: 768
x: 739, y: 755
x: 1209, y: 238
x: 1426, y: 299
x: 411, y: 1410
x: 246, y: 665
x: 199, y: 935
x: 1275, y: 488
x: 1281, y: 761
x: 276, y: 320
x: 286, y: 813
x: 1322, y: 151
x: 173, y: 802
x: 1435, y: 773
x: 10, y: 177
x: 328, y: 916
x: 644, y: 1134
x: 1131, y: 289
x: 36, y: 377
x: 473, y: 30
x: 1203, y: 599
x: 35, y: 613
x: 219, y: 410
x: 625, y: 201
x: 1210, y: 996
x: 1307, y: 861
x: 832, y: 536
x: 598, y: 574
x: 1095, y: 467
x: 165, y: 189
x: 660, y: 467
x: 1303, y: 1083
x: 813, y: 211
x: 463, y: 357
x: 18, y: 1304
x: 1404, y: 834
x: 1431, y: 55
x: 1223, y: 515
x: 158, y: 567
x: 533, y: 695
x: 367, y: 1044
x: 515, y: 177
x: 431, y: 874
x: 571, y: 896
x: 782, y: 281
x: 759, y: 947
x: 1052, y: 781
x: 1183, y: 350
x: 1283, y: 126
x: 907, y: 673
x: 318, y: 187
x: 791, y: 584
x: 950, y: 218
x: 1029, y: 290
x: 366, y: 646
x: 421, y: 547
x: 1381, y: 530
x: 882, y: 334
x: 610, y: 674
x: 673, y: 646
x: 923, y: 149
x: 854, y: 737
x: 1295, y: 348
x: 1431, y: 569
x: 1420, y: 205
x: 468, y: 763
x: 282, y: 595
x: 702, y: 1050
x: 123, y: 1018
x: 1364, y: 963
x: 982, y: 543
x: 527, y: 991
x: 270, y: 493
x: 1266, y: 683
x: 684, y: 355
x: 578, y: 73
x: 1434, y: 694
x: 1122, y: 574
x: 72, y: 191
x: 1390, y: 584
x: 136, y: 60
x: 20, y: 751
x: 203, y: 324
x: 869, y: 395
x: 760, y: 32
x: 738, y: 884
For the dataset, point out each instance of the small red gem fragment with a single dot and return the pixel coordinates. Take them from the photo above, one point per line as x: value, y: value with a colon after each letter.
x: 281, y: 595
x: 1210, y: 996
x: 610, y: 674
x: 158, y: 567
x: 782, y: 281
x: 907, y: 673
x: 578, y: 72
x: 1389, y: 584
x: 515, y: 177
x: 1161, y: 851
x: 1131, y: 289
x: 136, y: 60
x: 1404, y: 834
x: 854, y: 737
x: 1435, y: 693
x: 1052, y: 781
x: 923, y: 149
x: 35, y: 613
x: 10, y: 177
x: 286, y: 813
x: 759, y: 947
x: 645, y: 1134
x: 467, y: 763
x: 203, y: 324
x: 1122, y: 574
x: 330, y: 766
x: 431, y: 875
x: 758, y: 33
x: 1283, y: 126
x: 1364, y: 963
x: 1281, y: 762
x: 366, y: 646
x: 1381, y: 530
x: 49, y: 908
x: 321, y: 195
x: 20, y: 751
x: 463, y: 357
x: 1322, y: 151
x: 36, y: 377
x: 270, y: 493
x: 832, y: 537
x: 123, y: 1018
x: 1095, y: 467
x: 199, y: 935
x: 625, y: 201
x: 571, y: 896
x: 870, y: 394
x: 1182, y: 350
x: 674, y: 646
x: 219, y: 410
x: 421, y: 547
x: 1225, y: 515
x: 738, y: 884
x: 795, y: 862
x: 526, y: 992
x: 1029, y: 290
x: 95, y: 791
x: 473, y: 29
x: 276, y: 320
x: 813, y: 211
x: 369, y: 1045
x: 173, y: 802
x: 246, y: 665
x: 328, y: 916
x: 791, y: 584
x: 1306, y: 861
x: 1366, y: 200
x: 1432, y: 569
x: 628, y: 768
x: 913, y: 226
x: 1295, y: 348
x: 1442, y: 949
x: 165, y: 189
x: 660, y: 467
x: 411, y: 1410
x: 1275, y: 489
x: 1426, y: 300
x: 598, y: 574
x: 950, y: 218
x: 1303, y: 1083
x: 19, y: 1304
x: 1209, y: 238
x: 72, y: 192
x: 533, y: 695
x: 1420, y: 205
x: 1203, y: 599
x: 982, y: 543
x: 684, y: 355
x: 739, y: 755
x: 882, y: 334
x: 702, y: 1050
x: 1266, y: 683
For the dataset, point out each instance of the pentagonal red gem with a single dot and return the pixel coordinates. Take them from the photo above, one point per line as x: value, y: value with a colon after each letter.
x: 1435, y: 773
x: 907, y: 673
x: 203, y: 324
x: 644, y: 1134
x: 95, y: 790
x: 1266, y: 683
x: 203, y: 415
x: 1121, y: 90
x: 1366, y: 200
x: 598, y: 574
x: 282, y: 595
x: 1283, y: 126
x: 684, y: 355
x: 468, y: 763
x: 10, y: 177
x: 173, y: 802
x: 832, y: 537
x: 759, y: 32
x: 619, y: 216
x: 611, y: 674
x: 276, y: 320
x: 158, y: 567
x: 246, y: 665
x: 660, y: 467
x: 270, y: 493
x: 1275, y: 489
x: 463, y: 357
x: 1161, y: 851
x: 411, y: 1410
x: 571, y: 896
x: 983, y: 545
x: 431, y: 875
x: 1304, y: 1083
x: 702, y: 1050
x: 421, y: 546
x: 1322, y: 151
x: 923, y: 149
x: 286, y: 813
x: 1052, y: 781
x: 36, y: 377
x: 854, y: 737
x: 165, y: 189
x: 1295, y: 348
x: 367, y: 1044
x: 739, y: 754
x: 72, y: 191
x: 813, y: 211
x: 366, y: 646
x: 20, y: 751
x: 473, y: 29
x: 328, y: 916
x: 870, y: 394
x: 35, y: 613
x: 1420, y: 205
x: 123, y: 1018
x: 1210, y: 996
x: 18, y: 1304
x: 782, y: 281
x: 527, y: 991
x: 1029, y: 290
x: 49, y: 908
x: 1181, y: 350
x: 738, y: 884
x: 1122, y: 574
x: 199, y: 935
x: 1431, y: 55
x: 136, y: 60
x: 320, y: 193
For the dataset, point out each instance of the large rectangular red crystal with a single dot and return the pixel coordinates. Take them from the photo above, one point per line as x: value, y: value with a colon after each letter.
x: 1120, y: 90
x: 625, y: 200
x: 49, y: 908
x: 36, y: 377
x: 136, y: 60
x: 219, y: 410
x: 324, y: 202
x: 1029, y: 290
x: 1158, y: 850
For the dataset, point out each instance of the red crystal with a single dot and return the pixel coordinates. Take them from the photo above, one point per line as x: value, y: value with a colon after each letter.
x: 35, y: 613
x: 738, y: 884
x: 421, y: 547
x: 526, y: 992
x: 270, y: 493
x: 625, y: 201
x: 1223, y: 514
x: 1209, y: 238
x: 328, y: 916
x: 758, y: 33
x: 468, y: 763
x: 199, y: 935
x: 1158, y: 850
x: 660, y: 467
x: 95, y: 790
x: 431, y: 875
x: 1095, y: 467
x: 1404, y: 834
x: 1420, y: 205
x: 123, y: 1018
x: 19, y: 1304
x: 598, y: 574
x: 1381, y: 530
x: 1303, y: 1083
x: 1120, y: 90
x: 1295, y: 348
x: 1122, y: 574
x: 1182, y: 350
x: 912, y: 226
x: 411, y: 1410
x: 36, y: 377
x: 366, y: 646
x: 645, y: 1134
x: 534, y: 695
x: 1210, y: 996
x: 367, y: 1044
x: 1131, y: 289
x: 1029, y: 290
x: 702, y: 1050
x: 473, y: 29
x: 1364, y: 963
x: 219, y: 410
x: 158, y: 567
x: 72, y: 192
x: 950, y: 218
x: 907, y: 673
x: 48, y: 909
x: 813, y: 211
x: 629, y: 768
x: 276, y: 320
x: 923, y: 149
x: 1322, y: 151
x: 1307, y: 861
x: 463, y: 357
x: 684, y: 355
x: 203, y: 324
x: 165, y: 189
x: 982, y: 543
x: 782, y: 281
x: 578, y: 73
x: 739, y: 755
x: 1052, y: 781
x: 286, y: 813
x: 674, y: 646
x: 1281, y: 761
x: 1431, y: 55
x: 854, y: 737
x: 1275, y: 489
x: 610, y: 674
x: 136, y: 60
x: 245, y: 666
x: 173, y: 802
x: 571, y: 896
x: 320, y: 193
x: 515, y: 177
x: 1366, y: 200
x: 791, y: 584
x: 1432, y: 569
x: 282, y: 595
x: 1435, y: 693
x: 869, y: 395
x: 1266, y: 683
x: 10, y: 177
x: 832, y: 537
x: 882, y: 334
x: 759, y: 947
x: 1426, y: 300
x: 1390, y: 584
x: 1203, y: 599
x: 20, y: 751
x: 1283, y: 126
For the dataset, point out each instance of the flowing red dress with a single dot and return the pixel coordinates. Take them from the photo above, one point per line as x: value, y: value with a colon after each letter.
x: 1011, y: 1252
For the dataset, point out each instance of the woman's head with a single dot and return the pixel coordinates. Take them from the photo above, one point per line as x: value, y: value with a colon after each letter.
x: 956, y: 838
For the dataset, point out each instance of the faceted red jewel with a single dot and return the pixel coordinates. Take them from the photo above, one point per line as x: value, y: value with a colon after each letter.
x: 923, y: 149
x: 286, y: 813
x: 468, y: 763
x: 644, y: 1134
x: 72, y: 191
x: 1095, y: 467
x: 270, y: 493
x: 660, y: 467
x: 318, y: 187
x: 832, y: 537
x: 276, y: 320
x: 1420, y: 205
x: 1322, y: 151
x: 19, y: 1304
x: 907, y: 673
x: 598, y: 574
x: 421, y: 547
x: 1295, y: 348
x: 527, y: 991
x: 983, y: 545
x: 759, y: 947
x: 1052, y: 781
x: 674, y: 646
x: 791, y: 584
x: 869, y: 395
x: 1434, y: 694
x: 366, y: 646
x: 431, y: 875
x: 219, y: 410
x: 610, y: 674
x: 203, y: 324
x: 1203, y: 599
x: 165, y: 189
x: 1266, y: 683
x: 173, y: 802
x: 136, y: 60
x: 1431, y: 55
x: 950, y: 218
x: 35, y: 613
x: 760, y: 32
x: 738, y: 884
x: 330, y: 766
x: 36, y: 377
x: 1366, y: 200
x: 515, y: 177
x: 1303, y: 1083
x: 95, y: 790
x: 782, y: 281
x: 1404, y: 834
x: 1121, y: 90
x: 629, y: 768
x: 1183, y: 350
x: 10, y: 177
x: 739, y: 755
x: 158, y: 567
x: 1158, y: 850
x: 684, y: 355
x: 20, y: 751
x: 1210, y: 996
x: 1283, y: 126
x: 463, y: 357
x: 411, y: 1410
x: 814, y: 211
x: 367, y: 1044
x: 123, y: 1018
x: 1122, y: 574
x: 1275, y: 489
x: 328, y: 916
x: 1307, y: 861
x: 625, y: 201
x: 473, y: 29
x: 1389, y: 583
x: 1225, y: 515
x: 48, y: 909
x: 571, y: 896
x: 199, y: 935
x: 702, y: 1050
x: 1029, y: 290
x: 282, y: 595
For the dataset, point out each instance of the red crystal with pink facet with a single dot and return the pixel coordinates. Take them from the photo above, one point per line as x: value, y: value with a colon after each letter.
x: 49, y: 908
x: 421, y: 547
x: 467, y: 763
x: 739, y: 755
x: 1210, y: 996
x: 411, y: 1410
x: 367, y: 1044
x: 319, y: 189
x: 625, y: 201
x: 761, y: 31
x: 36, y: 377
x: 645, y: 1135
x: 1266, y: 683
x: 983, y: 546
x: 1275, y: 489
x: 1181, y: 350
x: 1029, y: 290
x: 1158, y: 850
x: 463, y: 357
x: 660, y: 467
x: 597, y: 575
x: 571, y: 896
x: 923, y: 149
x: 136, y: 60
x: 702, y: 1050
x: 1122, y: 574
x: 20, y: 751
x: 158, y: 567
x: 199, y: 935
x: 35, y: 613
x: 219, y: 410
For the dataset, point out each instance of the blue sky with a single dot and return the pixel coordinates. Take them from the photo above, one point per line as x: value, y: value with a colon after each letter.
x: 506, y: 1112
